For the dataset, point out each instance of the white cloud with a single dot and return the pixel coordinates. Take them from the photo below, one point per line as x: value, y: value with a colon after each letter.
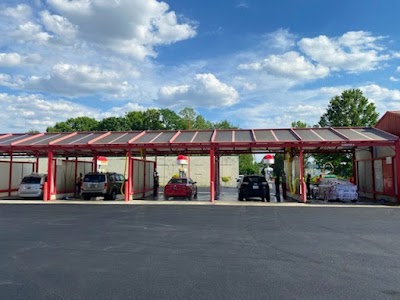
x: 130, y: 27
x: 22, y: 113
x: 31, y: 32
x: 21, y: 12
x: 243, y: 83
x: 10, y: 59
x: 15, y: 59
x: 206, y: 90
x: 58, y: 25
x: 354, y: 51
x: 385, y: 99
x: 78, y: 80
x: 289, y: 65
x: 242, y: 4
x: 394, y: 79
x: 281, y: 39
x: 398, y: 69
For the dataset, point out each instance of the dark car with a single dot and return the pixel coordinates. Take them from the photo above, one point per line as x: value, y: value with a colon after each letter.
x: 253, y: 186
x: 180, y: 187
x: 107, y: 185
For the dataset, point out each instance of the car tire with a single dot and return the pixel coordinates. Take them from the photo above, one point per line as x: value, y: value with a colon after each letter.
x: 86, y: 197
x: 326, y: 197
x: 240, y: 197
x: 113, y: 195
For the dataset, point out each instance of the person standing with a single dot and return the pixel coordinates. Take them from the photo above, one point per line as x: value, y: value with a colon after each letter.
x: 79, y: 182
x: 308, y: 184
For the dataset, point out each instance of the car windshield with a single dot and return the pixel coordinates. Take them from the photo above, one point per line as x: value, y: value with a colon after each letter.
x: 95, y: 178
x: 178, y: 180
x: 31, y: 179
x: 255, y: 179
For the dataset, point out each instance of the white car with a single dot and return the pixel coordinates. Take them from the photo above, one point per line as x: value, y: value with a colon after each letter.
x: 32, y: 186
x: 238, y: 179
x: 330, y: 189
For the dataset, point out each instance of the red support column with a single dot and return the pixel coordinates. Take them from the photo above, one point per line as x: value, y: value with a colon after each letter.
x: 95, y: 163
x: 50, y: 182
x: 303, y: 195
x: 397, y: 158
x: 130, y: 176
x: 10, y: 175
x: 144, y: 173
x: 212, y: 175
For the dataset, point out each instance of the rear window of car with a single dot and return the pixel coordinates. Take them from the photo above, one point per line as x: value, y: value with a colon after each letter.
x: 178, y: 180
x: 31, y: 179
x: 95, y: 178
x: 255, y: 179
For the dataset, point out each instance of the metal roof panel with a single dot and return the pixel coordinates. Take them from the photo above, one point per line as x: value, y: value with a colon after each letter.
x: 284, y: 135
x: 265, y: 135
x: 243, y: 136
x: 224, y: 136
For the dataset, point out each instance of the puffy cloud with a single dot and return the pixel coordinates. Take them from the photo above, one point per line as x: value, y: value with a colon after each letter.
x: 206, y: 90
x: 281, y: 39
x: 77, y: 80
x: 398, y: 69
x: 15, y: 59
x: 289, y: 65
x: 31, y: 32
x: 21, y: 12
x: 354, y: 51
x: 58, y: 25
x: 22, y: 113
x: 131, y: 27
x: 394, y: 79
x: 242, y: 4
x: 385, y: 99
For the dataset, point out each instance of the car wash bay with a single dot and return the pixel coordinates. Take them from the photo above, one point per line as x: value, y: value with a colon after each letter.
x: 65, y: 153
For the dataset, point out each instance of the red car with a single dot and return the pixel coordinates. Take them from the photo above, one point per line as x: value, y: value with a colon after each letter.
x: 180, y: 187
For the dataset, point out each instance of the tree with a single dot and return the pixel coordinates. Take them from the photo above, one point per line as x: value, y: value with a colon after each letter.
x: 247, y: 165
x: 351, y: 108
x: 113, y: 124
x: 171, y: 120
x: 75, y: 124
x: 299, y: 124
x: 224, y: 125
x: 188, y: 115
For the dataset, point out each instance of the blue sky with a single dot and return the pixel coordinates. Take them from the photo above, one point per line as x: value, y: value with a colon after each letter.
x: 257, y: 64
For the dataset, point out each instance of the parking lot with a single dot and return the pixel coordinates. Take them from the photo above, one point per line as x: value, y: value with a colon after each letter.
x: 198, y: 252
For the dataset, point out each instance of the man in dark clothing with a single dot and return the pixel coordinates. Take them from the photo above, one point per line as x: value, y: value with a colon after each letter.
x: 308, y: 184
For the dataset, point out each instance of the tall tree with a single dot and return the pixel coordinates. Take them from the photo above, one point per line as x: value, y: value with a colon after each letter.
x: 188, y: 115
x: 75, y: 124
x: 351, y: 108
x: 113, y: 124
x: 299, y: 124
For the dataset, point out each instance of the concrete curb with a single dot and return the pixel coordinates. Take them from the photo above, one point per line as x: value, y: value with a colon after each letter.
x: 191, y: 203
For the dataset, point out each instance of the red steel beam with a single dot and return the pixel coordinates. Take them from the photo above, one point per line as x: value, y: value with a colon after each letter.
x: 339, y: 134
x: 5, y: 135
x: 31, y: 137
x: 136, y: 137
x: 175, y: 136
x: 50, y: 182
x: 303, y: 195
x: 63, y: 138
x: 10, y: 175
x: 295, y: 134
x: 212, y: 175
x: 214, y: 134
x: 99, y: 137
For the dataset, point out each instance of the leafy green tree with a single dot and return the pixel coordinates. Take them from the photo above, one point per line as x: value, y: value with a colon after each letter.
x: 351, y: 108
x: 201, y: 123
x: 75, y: 124
x: 135, y: 120
x: 299, y: 124
x: 171, y: 120
x: 247, y: 165
x: 188, y: 115
x: 224, y: 125
x: 113, y: 124
x: 33, y: 131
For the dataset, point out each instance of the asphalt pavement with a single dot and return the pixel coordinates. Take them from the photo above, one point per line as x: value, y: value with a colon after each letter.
x: 198, y: 252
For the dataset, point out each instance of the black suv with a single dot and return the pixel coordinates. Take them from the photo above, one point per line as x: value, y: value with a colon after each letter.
x: 107, y: 185
x: 253, y: 186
